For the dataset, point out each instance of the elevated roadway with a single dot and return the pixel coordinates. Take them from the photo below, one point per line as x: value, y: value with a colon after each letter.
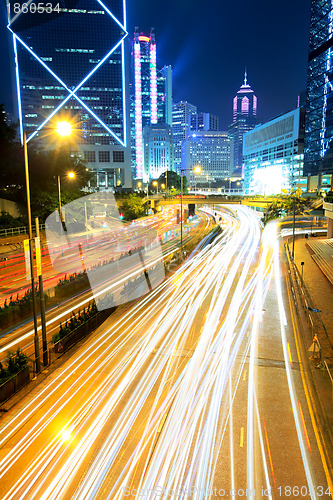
x: 259, y: 203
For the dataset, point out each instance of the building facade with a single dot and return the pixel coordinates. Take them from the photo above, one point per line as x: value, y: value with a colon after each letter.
x: 158, y: 150
x: 71, y: 65
x: 181, y: 113
x: 204, y: 121
x: 244, y: 119
x: 274, y: 155
x: 318, y: 154
x: 212, y: 151
x: 151, y: 97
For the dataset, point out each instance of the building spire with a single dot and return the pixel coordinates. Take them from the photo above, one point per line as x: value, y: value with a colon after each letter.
x: 245, y: 77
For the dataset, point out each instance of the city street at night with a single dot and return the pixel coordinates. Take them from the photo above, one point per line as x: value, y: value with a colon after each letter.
x: 197, y: 386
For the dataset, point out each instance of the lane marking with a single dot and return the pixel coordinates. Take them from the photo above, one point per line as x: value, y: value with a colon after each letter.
x: 241, y: 444
x: 308, y: 395
x: 269, y: 452
x: 162, y: 422
x: 304, y: 426
x: 289, y: 352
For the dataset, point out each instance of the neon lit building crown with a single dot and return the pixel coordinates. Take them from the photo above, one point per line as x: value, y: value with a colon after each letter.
x: 245, y: 102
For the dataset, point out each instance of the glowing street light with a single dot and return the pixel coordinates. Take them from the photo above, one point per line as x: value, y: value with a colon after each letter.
x: 155, y: 183
x: 64, y: 129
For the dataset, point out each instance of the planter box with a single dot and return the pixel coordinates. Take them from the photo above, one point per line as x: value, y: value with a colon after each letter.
x: 80, y: 332
x: 14, y: 384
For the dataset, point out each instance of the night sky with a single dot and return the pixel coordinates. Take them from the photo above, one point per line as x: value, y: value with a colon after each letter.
x: 209, y: 44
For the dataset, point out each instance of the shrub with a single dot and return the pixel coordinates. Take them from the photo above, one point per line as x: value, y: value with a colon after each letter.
x: 16, y: 361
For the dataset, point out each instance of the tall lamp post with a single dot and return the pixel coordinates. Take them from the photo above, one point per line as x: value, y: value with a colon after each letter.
x: 63, y: 129
x: 196, y: 170
x: 31, y: 255
x: 297, y: 193
x: 155, y: 183
x: 70, y: 175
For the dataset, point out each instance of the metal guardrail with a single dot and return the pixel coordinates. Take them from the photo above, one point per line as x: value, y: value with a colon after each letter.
x: 314, y: 320
x: 14, y: 231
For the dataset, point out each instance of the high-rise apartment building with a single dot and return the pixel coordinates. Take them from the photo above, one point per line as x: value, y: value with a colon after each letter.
x: 212, y: 151
x: 151, y: 97
x: 273, y: 155
x: 318, y: 154
x: 71, y: 65
x: 181, y: 113
x: 244, y: 119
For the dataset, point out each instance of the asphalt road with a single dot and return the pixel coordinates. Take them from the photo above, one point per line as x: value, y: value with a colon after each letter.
x: 21, y: 335
x: 197, y: 390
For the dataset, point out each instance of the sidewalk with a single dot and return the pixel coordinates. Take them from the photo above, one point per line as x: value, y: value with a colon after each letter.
x: 316, y: 292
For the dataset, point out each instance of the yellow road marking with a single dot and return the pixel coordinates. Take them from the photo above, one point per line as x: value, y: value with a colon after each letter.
x: 244, y: 376
x: 162, y: 423
x: 307, y: 395
x: 242, y: 438
x: 269, y: 452
x: 289, y: 352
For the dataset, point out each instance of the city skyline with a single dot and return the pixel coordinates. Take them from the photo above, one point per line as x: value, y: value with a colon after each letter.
x: 208, y: 64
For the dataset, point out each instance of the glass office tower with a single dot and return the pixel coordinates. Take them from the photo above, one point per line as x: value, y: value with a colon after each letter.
x: 318, y: 154
x: 70, y: 65
x: 181, y: 114
x: 273, y: 155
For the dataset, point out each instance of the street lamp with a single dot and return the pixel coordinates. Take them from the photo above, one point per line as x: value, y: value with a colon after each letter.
x: 195, y: 170
x: 63, y: 130
x: 296, y: 193
x: 70, y: 175
x: 33, y: 291
x: 155, y: 183
x: 139, y: 185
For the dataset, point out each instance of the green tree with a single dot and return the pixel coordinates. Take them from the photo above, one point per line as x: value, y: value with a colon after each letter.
x: 7, y: 221
x: 132, y: 207
x: 284, y: 205
x: 172, y: 179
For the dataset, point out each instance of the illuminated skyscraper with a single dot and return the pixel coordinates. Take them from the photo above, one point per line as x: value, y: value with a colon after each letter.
x: 273, y: 155
x: 151, y: 96
x: 158, y: 150
x: 181, y: 115
x: 244, y: 119
x: 318, y: 153
x: 70, y: 64
x: 204, y: 121
x: 212, y: 151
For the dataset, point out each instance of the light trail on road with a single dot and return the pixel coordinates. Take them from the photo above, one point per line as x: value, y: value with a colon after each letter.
x: 153, y: 401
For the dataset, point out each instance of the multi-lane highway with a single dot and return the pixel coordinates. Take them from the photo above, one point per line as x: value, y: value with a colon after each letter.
x: 97, y: 252
x: 198, y: 390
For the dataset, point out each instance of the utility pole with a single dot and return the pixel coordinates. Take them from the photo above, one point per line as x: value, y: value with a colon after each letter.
x: 33, y: 291
x: 41, y: 294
